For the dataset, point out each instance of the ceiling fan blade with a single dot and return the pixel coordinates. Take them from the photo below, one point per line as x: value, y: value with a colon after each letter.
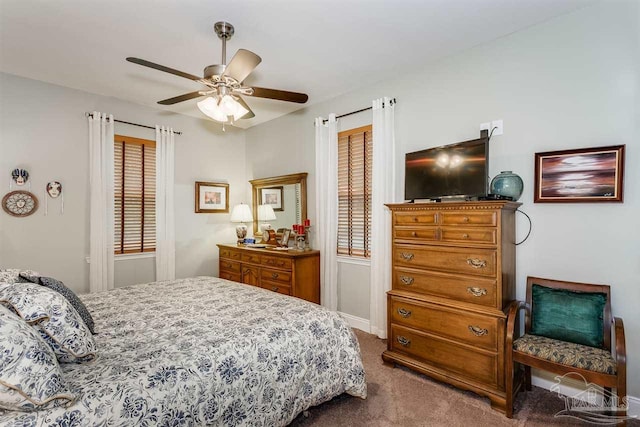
x: 163, y: 68
x: 250, y: 114
x: 181, y: 98
x: 242, y: 64
x: 281, y: 95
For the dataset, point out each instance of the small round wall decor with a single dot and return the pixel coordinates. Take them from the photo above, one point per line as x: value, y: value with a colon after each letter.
x: 19, y: 203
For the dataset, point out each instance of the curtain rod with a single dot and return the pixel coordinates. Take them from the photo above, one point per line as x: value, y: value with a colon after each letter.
x: 391, y: 102
x: 133, y: 124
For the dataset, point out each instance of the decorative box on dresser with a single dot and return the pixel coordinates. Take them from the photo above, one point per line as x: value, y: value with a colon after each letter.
x: 453, y: 275
x: 295, y: 273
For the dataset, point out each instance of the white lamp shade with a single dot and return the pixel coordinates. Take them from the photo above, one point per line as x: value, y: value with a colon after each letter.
x: 241, y: 213
x: 266, y: 213
x: 220, y: 109
x: 209, y: 106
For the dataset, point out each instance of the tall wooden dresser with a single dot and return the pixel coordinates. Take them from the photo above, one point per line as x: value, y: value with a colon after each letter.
x: 453, y: 275
x: 287, y: 272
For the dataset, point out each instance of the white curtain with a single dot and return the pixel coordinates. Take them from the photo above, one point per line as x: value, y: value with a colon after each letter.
x: 383, y: 191
x: 165, y: 216
x: 101, y: 211
x: 327, y: 208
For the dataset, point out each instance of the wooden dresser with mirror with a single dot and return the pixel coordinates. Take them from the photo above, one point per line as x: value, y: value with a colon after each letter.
x: 289, y: 272
x: 453, y: 275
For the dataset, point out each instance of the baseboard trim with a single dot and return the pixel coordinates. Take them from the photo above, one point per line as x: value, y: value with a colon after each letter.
x: 573, y: 389
x: 356, y: 322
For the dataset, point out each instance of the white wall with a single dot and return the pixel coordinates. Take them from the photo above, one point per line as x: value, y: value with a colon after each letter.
x: 571, y: 82
x: 44, y: 130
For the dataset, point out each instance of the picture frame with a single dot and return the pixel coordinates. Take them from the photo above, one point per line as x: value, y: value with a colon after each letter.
x: 211, y: 197
x: 580, y: 175
x: 272, y: 196
x: 284, y: 240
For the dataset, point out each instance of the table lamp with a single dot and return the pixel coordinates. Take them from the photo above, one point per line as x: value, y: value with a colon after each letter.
x: 265, y: 213
x: 241, y: 213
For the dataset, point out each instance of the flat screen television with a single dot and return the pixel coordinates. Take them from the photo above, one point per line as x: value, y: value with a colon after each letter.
x: 450, y: 171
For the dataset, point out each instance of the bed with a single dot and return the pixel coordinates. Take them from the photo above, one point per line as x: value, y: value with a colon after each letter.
x: 205, y: 351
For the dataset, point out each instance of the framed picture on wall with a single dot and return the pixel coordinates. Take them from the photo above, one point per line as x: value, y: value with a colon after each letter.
x: 272, y: 196
x: 582, y: 175
x: 212, y: 197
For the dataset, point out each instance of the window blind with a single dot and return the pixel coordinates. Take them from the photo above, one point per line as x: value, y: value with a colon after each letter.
x: 134, y: 195
x: 355, y: 157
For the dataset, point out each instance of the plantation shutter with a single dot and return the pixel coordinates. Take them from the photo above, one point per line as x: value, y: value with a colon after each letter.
x: 134, y: 195
x: 355, y: 157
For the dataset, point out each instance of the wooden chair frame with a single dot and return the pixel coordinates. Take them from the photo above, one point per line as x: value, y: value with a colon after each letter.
x: 608, y: 381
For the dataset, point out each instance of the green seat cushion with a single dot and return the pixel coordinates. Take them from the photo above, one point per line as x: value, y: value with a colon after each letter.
x: 567, y: 315
x: 566, y: 353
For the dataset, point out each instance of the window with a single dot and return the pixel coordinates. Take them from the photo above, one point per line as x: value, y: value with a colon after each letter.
x: 355, y: 156
x: 134, y: 195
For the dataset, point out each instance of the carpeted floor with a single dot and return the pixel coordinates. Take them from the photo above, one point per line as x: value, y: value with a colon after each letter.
x: 401, y: 397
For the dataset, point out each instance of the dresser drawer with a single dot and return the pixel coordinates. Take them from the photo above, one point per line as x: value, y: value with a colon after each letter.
x: 229, y: 266
x: 229, y: 253
x: 276, y: 287
x: 489, y: 218
x: 478, y: 365
x: 273, y: 261
x: 276, y: 276
x: 416, y: 233
x: 469, y: 235
x: 249, y: 257
x: 236, y: 277
x: 481, y: 262
x: 470, y: 328
x: 416, y: 218
x: 469, y: 289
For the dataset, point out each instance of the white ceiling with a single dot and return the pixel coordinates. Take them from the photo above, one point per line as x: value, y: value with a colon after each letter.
x: 322, y: 48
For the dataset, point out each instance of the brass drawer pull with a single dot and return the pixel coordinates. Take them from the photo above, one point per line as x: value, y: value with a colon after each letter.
x: 407, y: 256
x: 478, y: 331
x: 476, y: 292
x: 405, y: 342
x: 274, y: 275
x: 404, y: 313
x: 275, y: 289
x: 465, y: 219
x: 406, y: 280
x: 476, y: 262
x: 465, y: 236
x: 414, y: 234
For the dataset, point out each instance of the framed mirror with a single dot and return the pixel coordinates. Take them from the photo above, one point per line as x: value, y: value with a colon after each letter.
x: 286, y: 194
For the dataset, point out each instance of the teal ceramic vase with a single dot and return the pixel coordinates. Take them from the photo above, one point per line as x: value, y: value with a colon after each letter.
x: 507, y: 183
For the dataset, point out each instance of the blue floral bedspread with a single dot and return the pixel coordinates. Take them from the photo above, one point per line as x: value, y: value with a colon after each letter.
x: 205, y: 351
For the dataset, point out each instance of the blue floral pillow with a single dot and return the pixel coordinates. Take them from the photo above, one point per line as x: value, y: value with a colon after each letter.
x: 12, y: 275
x: 51, y: 314
x: 60, y: 287
x: 30, y: 377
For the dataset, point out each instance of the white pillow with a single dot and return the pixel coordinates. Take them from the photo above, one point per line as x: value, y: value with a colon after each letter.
x: 30, y: 377
x: 54, y: 317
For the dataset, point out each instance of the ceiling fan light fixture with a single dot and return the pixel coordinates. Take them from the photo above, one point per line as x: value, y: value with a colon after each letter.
x: 220, y: 108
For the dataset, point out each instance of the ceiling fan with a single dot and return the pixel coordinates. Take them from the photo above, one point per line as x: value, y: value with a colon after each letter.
x: 224, y: 83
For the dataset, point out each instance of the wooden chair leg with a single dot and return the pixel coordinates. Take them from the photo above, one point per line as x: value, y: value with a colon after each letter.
x: 621, y: 392
x: 527, y: 378
x: 509, y: 388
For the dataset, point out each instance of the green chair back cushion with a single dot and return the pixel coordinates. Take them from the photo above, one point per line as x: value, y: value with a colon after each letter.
x: 567, y: 315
